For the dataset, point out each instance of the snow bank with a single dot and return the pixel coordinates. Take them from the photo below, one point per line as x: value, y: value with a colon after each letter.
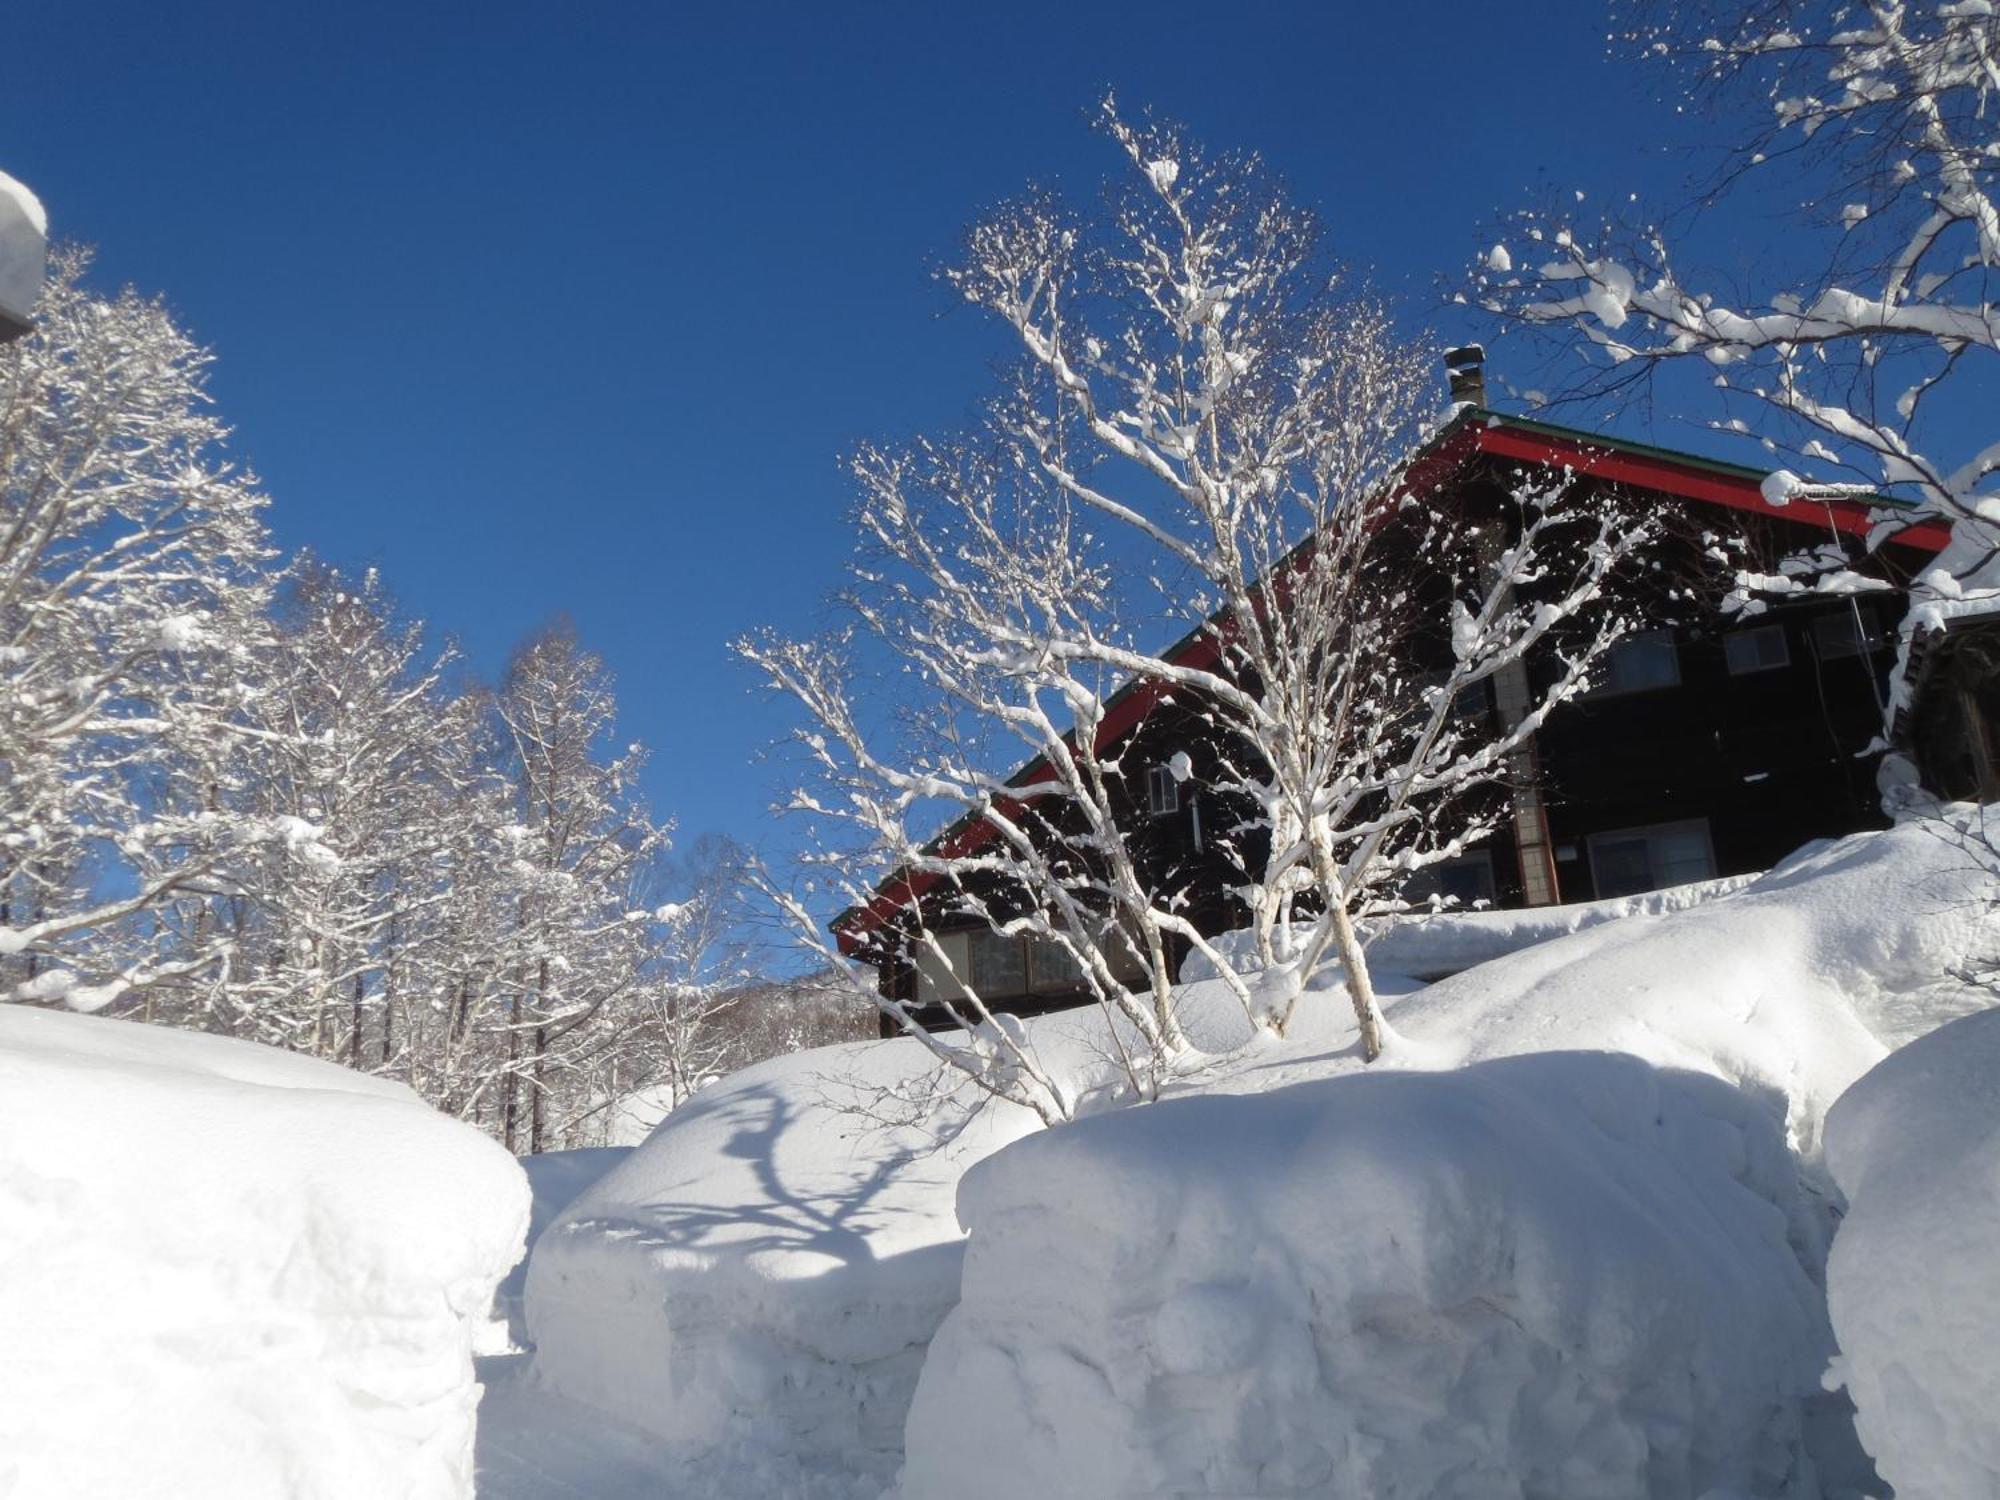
x: 770, y: 1265
x: 1433, y: 945
x: 1912, y: 1280
x: 227, y: 1270
x: 1563, y: 1275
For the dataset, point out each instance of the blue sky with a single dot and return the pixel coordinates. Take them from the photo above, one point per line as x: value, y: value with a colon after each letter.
x: 573, y: 309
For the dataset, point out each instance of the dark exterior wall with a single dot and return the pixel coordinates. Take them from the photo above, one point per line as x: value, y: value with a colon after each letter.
x: 1769, y: 759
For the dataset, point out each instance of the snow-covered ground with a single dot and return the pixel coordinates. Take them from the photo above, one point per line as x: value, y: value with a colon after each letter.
x: 227, y: 1270
x: 770, y: 1269
x: 1568, y: 1238
x: 772, y: 1263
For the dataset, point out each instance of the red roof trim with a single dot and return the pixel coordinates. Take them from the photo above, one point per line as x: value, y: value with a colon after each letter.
x: 1687, y: 481
x: 1432, y: 467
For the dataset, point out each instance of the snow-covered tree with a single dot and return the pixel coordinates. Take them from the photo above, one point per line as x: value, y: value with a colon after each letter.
x: 337, y: 763
x: 1870, y: 351
x: 1206, y: 428
x: 131, y: 548
x: 581, y: 850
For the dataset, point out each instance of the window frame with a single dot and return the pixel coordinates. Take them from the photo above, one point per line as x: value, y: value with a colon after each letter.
x: 1758, y: 632
x: 1161, y: 777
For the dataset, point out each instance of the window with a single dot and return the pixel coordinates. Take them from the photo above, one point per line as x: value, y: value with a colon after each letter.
x: 1640, y: 663
x: 1464, y: 881
x: 1629, y: 860
x: 1759, y: 650
x: 1838, y: 635
x: 1052, y: 967
x: 1163, y: 791
x: 999, y: 965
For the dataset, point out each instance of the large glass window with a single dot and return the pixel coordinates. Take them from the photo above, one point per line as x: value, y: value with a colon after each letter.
x: 1629, y: 860
x: 1640, y: 663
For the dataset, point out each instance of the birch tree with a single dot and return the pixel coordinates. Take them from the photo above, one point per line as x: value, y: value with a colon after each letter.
x: 1205, y: 434
x: 341, y: 747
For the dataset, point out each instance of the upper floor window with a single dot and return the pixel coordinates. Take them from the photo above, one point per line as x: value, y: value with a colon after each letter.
x: 1163, y: 788
x: 1640, y: 663
x: 1760, y: 650
x: 1849, y: 632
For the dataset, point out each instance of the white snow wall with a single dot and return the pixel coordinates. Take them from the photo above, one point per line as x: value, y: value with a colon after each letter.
x: 1565, y: 1274
x: 229, y: 1271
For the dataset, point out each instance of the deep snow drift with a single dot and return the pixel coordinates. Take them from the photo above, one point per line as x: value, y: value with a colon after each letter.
x: 772, y: 1264
x: 1561, y: 1275
x: 226, y: 1270
x: 1914, y: 1278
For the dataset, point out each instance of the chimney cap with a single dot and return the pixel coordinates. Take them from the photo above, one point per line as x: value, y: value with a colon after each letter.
x: 1467, y: 357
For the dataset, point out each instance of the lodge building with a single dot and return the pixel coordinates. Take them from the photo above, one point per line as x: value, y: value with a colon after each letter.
x: 1710, y: 744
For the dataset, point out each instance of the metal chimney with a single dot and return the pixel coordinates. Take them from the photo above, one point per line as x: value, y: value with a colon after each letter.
x: 1467, y: 369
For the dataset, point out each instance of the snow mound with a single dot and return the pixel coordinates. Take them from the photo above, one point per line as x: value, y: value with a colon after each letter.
x: 1565, y: 1274
x: 1427, y: 945
x: 769, y: 1266
x: 226, y: 1270
x: 1915, y: 1145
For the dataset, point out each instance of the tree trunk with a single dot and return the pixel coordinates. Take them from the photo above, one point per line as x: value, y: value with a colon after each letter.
x: 354, y: 1040
x: 1360, y: 986
x: 510, y: 1106
x: 538, y: 1106
x: 389, y: 997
